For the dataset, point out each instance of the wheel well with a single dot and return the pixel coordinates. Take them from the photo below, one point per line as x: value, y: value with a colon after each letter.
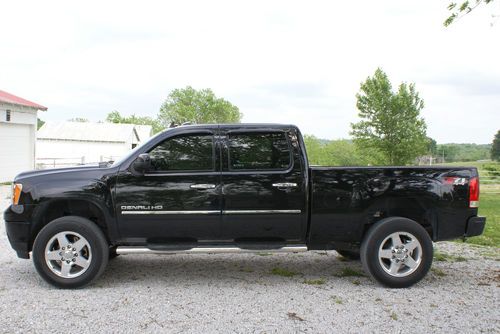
x: 64, y: 207
x: 411, y: 208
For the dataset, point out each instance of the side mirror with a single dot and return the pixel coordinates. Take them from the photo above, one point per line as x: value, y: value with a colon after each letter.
x: 142, y: 163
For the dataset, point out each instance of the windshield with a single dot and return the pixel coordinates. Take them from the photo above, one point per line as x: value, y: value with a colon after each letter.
x: 133, y: 151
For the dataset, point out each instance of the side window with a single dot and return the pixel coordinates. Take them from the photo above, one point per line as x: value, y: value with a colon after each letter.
x: 184, y: 153
x: 258, y: 151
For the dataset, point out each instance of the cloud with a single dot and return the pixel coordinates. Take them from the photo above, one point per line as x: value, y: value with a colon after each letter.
x: 468, y: 83
x: 283, y: 61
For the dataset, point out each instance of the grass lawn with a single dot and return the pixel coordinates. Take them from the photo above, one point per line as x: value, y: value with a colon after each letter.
x: 489, y: 206
x: 477, y: 164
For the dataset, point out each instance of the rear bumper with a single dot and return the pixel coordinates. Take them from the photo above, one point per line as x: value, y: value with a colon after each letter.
x: 475, y: 226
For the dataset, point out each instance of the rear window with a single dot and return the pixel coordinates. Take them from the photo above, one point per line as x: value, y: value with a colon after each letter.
x: 259, y: 151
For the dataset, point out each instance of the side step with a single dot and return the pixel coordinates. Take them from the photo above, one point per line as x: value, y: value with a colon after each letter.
x: 124, y: 250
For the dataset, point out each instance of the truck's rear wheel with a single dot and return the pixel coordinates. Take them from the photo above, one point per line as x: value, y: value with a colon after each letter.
x: 70, y: 252
x: 397, y: 252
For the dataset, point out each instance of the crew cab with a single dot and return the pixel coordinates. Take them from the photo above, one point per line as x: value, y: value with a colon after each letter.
x: 237, y: 188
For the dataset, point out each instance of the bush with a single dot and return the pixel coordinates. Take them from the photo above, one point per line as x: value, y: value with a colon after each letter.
x: 492, y: 167
x: 341, y: 152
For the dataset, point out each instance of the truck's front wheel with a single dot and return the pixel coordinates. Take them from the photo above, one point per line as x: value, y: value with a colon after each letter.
x: 397, y: 252
x: 70, y: 252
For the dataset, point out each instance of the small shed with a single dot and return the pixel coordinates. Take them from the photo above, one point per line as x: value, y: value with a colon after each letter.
x: 18, y: 122
x: 71, y: 143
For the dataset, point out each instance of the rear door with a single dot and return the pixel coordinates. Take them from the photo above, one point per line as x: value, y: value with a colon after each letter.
x: 264, y: 197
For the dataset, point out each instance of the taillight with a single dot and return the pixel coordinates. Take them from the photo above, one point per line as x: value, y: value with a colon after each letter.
x: 474, y: 192
x: 16, y: 192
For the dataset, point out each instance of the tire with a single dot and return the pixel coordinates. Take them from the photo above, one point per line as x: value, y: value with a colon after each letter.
x: 392, y: 263
x: 75, y: 266
x: 348, y: 254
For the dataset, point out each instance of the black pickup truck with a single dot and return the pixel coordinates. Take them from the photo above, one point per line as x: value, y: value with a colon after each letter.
x: 237, y: 188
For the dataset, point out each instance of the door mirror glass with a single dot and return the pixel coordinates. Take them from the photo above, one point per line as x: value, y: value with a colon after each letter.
x: 142, y: 163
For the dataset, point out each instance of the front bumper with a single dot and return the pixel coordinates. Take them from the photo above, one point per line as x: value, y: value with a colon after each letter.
x: 18, y: 233
x: 475, y: 226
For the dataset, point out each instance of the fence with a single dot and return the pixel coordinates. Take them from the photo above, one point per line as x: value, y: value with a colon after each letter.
x: 490, y: 181
x: 47, y: 163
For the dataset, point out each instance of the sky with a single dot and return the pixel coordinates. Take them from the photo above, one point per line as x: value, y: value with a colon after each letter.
x: 278, y: 61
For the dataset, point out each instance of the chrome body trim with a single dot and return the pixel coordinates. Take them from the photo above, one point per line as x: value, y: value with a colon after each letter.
x: 258, y: 212
x: 166, y: 212
x: 211, y: 212
x: 285, y: 185
x: 202, y: 186
x: 124, y: 250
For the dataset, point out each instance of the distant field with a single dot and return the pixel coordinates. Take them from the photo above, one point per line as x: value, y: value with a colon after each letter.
x: 489, y: 174
x: 478, y: 164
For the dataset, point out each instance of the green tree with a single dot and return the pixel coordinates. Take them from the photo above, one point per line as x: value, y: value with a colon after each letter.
x: 39, y: 123
x: 390, y: 121
x: 458, y: 10
x: 341, y: 152
x: 314, y: 149
x: 116, y: 117
x: 464, y: 152
x: 495, y: 147
x: 431, y: 146
x: 197, y: 106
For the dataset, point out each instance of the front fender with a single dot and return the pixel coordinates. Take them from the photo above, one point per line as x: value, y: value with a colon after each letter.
x: 97, y: 193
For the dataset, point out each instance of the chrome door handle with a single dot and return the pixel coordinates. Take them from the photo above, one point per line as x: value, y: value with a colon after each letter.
x: 285, y: 185
x: 202, y: 186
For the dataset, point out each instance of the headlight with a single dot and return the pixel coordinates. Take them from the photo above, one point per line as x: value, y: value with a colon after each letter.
x: 16, y: 192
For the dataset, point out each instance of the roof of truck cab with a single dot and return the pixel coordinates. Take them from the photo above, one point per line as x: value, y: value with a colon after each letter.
x: 237, y: 125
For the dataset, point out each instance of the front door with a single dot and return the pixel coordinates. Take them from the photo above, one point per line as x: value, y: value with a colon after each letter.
x: 263, y: 188
x: 179, y: 199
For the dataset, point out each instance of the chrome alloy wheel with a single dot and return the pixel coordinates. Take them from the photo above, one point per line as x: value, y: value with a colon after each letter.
x: 68, y: 254
x: 400, y: 254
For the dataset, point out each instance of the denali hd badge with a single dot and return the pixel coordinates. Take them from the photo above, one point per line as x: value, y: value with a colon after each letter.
x: 141, y: 207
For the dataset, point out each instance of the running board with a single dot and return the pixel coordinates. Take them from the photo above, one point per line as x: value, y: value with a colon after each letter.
x: 124, y: 250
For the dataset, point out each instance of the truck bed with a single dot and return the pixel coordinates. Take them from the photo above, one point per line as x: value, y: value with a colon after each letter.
x: 346, y: 200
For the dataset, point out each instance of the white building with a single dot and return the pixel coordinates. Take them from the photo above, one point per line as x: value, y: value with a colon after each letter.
x: 71, y: 143
x: 18, y: 122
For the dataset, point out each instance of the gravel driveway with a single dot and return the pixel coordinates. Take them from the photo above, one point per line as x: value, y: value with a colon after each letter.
x: 309, y: 292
